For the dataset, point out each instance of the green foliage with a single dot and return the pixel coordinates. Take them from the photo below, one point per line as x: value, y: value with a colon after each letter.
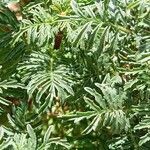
x: 92, y: 91
x: 46, y: 79
x: 4, y: 85
x: 109, y: 109
x: 29, y: 140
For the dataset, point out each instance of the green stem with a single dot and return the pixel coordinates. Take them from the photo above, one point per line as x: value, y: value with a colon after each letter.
x: 136, y: 147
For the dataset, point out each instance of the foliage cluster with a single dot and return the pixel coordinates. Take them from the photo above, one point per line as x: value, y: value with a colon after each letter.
x: 75, y: 74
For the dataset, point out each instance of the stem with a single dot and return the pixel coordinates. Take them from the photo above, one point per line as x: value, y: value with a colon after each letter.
x: 136, y: 147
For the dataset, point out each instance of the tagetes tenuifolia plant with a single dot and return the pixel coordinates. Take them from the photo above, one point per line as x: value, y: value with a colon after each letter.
x: 75, y: 74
